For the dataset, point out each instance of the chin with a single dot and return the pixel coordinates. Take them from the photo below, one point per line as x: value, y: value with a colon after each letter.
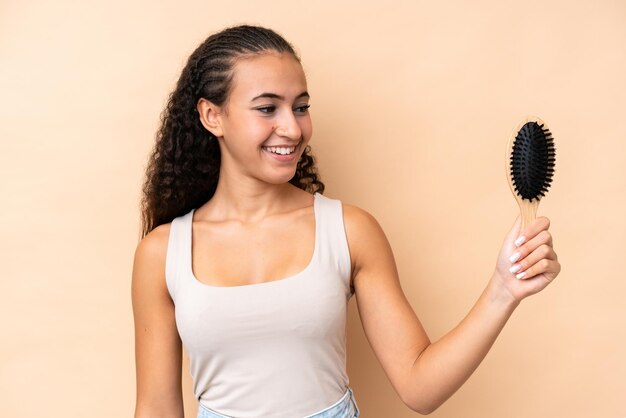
x: 280, y: 179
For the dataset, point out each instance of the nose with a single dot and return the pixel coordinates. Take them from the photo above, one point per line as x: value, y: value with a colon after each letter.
x: 288, y: 127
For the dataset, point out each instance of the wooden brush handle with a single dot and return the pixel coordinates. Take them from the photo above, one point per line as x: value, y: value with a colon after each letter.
x: 527, y: 210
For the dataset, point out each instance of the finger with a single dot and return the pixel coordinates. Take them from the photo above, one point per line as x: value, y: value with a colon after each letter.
x: 544, y: 251
x: 544, y: 266
x: 543, y: 238
x: 535, y: 227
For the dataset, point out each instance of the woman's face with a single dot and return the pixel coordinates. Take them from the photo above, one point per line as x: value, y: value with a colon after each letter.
x: 267, y: 107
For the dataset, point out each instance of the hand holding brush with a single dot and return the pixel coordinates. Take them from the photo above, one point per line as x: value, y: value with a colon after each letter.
x: 527, y: 262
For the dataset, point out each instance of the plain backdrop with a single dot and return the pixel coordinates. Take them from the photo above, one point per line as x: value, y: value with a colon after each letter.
x: 412, y: 102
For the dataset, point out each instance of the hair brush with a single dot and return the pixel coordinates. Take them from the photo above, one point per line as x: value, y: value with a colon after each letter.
x: 530, y: 158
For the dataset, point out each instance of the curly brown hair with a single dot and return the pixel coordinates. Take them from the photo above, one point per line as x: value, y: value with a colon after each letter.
x: 183, y: 168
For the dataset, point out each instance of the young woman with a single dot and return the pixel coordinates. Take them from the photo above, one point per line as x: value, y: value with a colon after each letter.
x: 246, y: 263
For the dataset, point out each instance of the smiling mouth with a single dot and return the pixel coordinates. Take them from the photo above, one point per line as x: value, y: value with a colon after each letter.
x: 282, y: 150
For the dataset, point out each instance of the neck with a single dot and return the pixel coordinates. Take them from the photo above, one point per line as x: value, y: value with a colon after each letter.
x: 248, y: 200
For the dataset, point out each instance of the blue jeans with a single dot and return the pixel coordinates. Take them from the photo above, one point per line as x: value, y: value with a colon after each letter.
x: 345, y: 407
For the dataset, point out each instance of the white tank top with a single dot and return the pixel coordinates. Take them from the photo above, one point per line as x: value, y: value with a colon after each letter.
x: 275, y: 349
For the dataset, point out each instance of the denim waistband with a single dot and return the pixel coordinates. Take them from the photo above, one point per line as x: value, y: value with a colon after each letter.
x: 346, y: 407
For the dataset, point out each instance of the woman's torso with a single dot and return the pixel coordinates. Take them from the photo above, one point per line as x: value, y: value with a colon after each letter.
x: 271, y: 348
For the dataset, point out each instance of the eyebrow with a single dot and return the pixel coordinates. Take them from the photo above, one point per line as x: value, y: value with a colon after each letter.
x: 278, y: 96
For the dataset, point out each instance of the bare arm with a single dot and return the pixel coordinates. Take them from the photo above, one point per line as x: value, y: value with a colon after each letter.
x: 425, y: 374
x: 442, y: 367
x: 158, y: 349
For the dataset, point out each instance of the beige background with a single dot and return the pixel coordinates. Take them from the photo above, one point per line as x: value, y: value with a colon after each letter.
x: 413, y: 103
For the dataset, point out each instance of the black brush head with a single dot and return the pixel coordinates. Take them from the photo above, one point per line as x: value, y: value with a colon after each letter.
x: 532, y: 161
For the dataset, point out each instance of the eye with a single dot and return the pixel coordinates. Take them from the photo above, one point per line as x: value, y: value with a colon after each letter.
x: 303, y: 108
x: 266, y: 109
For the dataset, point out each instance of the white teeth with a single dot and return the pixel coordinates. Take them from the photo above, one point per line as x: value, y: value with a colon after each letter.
x: 281, y: 150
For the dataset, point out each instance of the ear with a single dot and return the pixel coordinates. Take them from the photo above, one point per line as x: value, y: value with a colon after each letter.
x: 209, y: 114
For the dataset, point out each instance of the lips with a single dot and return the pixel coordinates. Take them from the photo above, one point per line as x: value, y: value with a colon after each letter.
x: 280, y: 157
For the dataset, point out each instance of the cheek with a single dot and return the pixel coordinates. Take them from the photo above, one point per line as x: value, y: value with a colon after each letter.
x: 252, y: 131
x: 307, y: 128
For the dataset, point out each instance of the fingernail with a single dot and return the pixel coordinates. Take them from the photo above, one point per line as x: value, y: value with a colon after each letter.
x: 514, y: 257
x: 519, y: 276
x: 515, y: 268
x: 520, y: 241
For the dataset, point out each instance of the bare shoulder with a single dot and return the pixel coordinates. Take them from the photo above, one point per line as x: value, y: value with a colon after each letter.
x: 364, y: 234
x: 149, y: 261
x: 359, y: 223
x: 154, y: 244
x: 357, y: 218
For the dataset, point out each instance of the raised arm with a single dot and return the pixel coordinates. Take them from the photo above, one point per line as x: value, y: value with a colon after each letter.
x: 425, y: 374
x: 158, y: 349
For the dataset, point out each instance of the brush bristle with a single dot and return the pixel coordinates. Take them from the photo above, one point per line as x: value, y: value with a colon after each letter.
x: 532, y: 161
